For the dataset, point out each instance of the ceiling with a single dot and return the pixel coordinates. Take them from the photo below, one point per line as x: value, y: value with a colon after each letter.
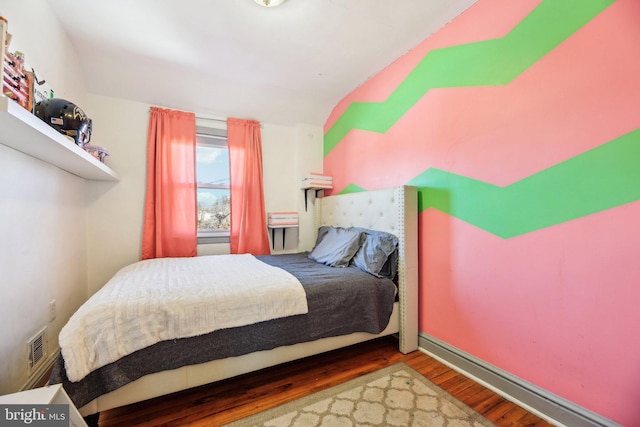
x: 284, y: 65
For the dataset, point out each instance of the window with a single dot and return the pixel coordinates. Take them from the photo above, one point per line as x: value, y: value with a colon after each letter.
x: 212, y: 176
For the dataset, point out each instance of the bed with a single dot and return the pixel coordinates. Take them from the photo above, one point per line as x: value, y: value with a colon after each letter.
x: 185, y: 363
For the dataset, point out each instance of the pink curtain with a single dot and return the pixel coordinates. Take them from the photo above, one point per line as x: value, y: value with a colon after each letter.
x: 170, y: 217
x: 248, y: 218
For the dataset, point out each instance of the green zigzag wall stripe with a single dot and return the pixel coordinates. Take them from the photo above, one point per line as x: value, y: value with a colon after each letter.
x: 599, y: 179
x: 485, y: 63
x: 352, y: 188
x: 596, y: 180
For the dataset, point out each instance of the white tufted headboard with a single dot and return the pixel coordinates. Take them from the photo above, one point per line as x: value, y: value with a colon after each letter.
x: 394, y: 210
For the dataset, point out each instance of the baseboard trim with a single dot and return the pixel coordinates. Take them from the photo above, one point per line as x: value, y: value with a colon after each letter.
x: 38, y: 376
x: 546, y: 405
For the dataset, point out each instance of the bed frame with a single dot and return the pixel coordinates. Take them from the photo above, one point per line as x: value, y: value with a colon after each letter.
x: 393, y: 210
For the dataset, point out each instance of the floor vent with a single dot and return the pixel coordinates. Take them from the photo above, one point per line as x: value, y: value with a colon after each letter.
x: 37, y: 348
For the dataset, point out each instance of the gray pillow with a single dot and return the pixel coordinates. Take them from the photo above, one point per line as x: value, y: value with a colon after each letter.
x: 336, y: 246
x: 378, y: 254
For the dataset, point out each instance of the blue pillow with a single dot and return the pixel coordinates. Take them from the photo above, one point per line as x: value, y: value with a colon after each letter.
x: 336, y: 246
x: 378, y: 254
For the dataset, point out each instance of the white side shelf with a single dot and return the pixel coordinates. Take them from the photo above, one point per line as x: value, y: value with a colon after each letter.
x: 273, y: 233
x: 316, y: 188
x: 53, y: 394
x: 23, y: 131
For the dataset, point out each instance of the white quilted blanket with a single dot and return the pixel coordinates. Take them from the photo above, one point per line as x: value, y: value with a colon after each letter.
x: 167, y: 298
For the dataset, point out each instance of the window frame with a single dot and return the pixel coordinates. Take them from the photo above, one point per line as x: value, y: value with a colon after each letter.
x: 204, y: 132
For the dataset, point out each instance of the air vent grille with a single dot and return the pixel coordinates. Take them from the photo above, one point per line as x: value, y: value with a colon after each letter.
x: 37, y: 347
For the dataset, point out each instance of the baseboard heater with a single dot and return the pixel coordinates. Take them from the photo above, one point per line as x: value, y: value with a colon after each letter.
x: 548, y: 406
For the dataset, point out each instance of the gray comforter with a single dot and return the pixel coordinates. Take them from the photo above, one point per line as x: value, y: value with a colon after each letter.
x: 341, y: 301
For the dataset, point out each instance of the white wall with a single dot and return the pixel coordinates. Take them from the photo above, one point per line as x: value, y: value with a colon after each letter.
x: 116, y: 210
x: 310, y: 156
x: 42, y: 209
x: 288, y: 155
x: 62, y: 237
x: 38, y: 34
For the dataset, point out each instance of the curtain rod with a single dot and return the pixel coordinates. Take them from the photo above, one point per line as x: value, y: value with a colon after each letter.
x: 222, y: 120
x: 212, y: 118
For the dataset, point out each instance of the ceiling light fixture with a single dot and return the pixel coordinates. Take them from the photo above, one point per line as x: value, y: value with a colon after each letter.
x: 269, y: 3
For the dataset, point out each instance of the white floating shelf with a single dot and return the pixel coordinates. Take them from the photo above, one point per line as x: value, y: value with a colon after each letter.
x: 23, y: 131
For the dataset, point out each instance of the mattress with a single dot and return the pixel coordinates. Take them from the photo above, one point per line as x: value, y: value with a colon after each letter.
x: 341, y: 301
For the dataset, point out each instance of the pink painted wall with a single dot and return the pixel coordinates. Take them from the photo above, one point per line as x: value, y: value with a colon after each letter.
x: 557, y: 307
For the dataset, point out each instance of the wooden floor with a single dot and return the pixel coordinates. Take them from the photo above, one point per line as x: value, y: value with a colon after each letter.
x: 230, y: 400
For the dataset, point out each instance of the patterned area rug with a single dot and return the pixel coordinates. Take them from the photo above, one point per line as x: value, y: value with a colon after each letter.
x: 394, y: 396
